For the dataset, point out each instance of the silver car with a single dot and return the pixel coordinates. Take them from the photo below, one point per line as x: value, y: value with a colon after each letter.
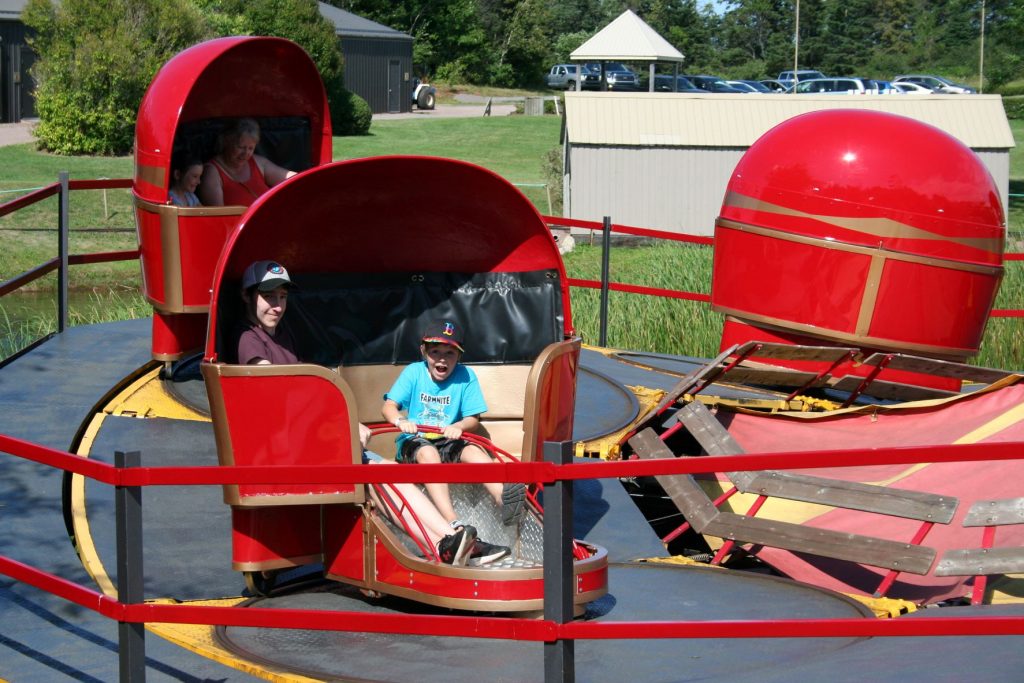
x: 835, y: 86
x: 937, y: 84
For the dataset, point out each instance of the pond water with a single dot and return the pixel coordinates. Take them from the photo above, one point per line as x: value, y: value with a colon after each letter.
x: 31, y: 305
x: 28, y: 316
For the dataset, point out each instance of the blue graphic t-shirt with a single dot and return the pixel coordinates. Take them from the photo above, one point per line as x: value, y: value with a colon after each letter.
x: 436, y: 405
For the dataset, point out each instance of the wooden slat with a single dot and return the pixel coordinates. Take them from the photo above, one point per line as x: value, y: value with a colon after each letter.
x: 716, y: 440
x: 981, y: 562
x: 995, y: 512
x: 713, y: 437
x: 684, y: 491
x: 938, y: 368
x: 829, y: 354
x: 709, y: 371
x: 851, y: 495
x: 770, y: 376
x: 890, y: 390
x: 875, y: 552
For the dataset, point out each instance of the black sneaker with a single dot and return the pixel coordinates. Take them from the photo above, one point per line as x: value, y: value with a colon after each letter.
x: 454, y: 548
x: 513, y: 503
x: 485, y: 553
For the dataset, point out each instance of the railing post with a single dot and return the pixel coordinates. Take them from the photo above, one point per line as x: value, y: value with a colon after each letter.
x: 63, y: 228
x: 559, y: 582
x: 131, y: 636
x: 606, y: 245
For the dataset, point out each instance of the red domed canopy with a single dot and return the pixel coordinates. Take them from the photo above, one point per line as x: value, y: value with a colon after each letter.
x: 258, y: 77
x: 863, y: 228
x: 874, y: 179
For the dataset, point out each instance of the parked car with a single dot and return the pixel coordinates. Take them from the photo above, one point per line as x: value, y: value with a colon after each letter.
x: 565, y: 77
x: 835, y: 86
x: 618, y: 76
x: 712, y: 84
x: 886, y: 88
x: 910, y: 88
x: 788, y: 78
x: 663, y: 83
x: 749, y: 86
x: 936, y: 83
x: 774, y: 85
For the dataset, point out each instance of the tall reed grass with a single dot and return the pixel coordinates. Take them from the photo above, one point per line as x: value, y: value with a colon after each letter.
x: 635, y: 321
x: 17, y: 332
x: 639, y: 322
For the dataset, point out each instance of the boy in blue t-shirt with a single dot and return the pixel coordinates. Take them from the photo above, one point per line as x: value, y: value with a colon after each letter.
x: 439, y: 392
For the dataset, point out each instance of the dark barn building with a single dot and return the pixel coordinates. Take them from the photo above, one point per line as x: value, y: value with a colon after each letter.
x: 16, y: 85
x: 378, y: 60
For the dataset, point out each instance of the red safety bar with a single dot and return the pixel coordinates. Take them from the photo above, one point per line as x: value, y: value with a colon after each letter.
x: 487, y: 627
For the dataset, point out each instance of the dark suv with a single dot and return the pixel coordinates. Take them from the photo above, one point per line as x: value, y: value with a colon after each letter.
x: 618, y: 76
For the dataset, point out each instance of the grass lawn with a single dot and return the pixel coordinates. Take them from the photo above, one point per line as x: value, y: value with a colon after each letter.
x: 513, y: 147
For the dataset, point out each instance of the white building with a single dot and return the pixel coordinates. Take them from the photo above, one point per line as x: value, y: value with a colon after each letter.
x: 663, y: 160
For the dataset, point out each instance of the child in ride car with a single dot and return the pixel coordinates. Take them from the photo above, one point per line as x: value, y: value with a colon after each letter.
x: 439, y: 392
x: 264, y: 339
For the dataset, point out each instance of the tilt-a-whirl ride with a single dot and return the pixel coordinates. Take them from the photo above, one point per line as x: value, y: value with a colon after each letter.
x: 856, y: 280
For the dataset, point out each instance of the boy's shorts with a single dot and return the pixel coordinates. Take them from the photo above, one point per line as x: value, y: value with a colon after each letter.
x: 450, y: 449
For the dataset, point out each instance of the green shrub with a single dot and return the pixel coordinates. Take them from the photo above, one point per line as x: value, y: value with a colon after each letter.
x: 1012, y: 89
x: 95, y: 61
x: 1014, y: 107
x: 350, y: 115
x: 552, y: 168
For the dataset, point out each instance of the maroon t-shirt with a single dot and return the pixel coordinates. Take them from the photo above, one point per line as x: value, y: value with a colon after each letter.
x: 255, y: 344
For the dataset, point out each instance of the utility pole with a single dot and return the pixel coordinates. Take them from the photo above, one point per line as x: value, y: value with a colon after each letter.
x: 981, y: 52
x: 796, y: 44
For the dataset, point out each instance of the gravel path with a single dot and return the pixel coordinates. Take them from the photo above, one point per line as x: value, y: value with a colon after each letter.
x: 469, y: 105
x: 451, y: 110
x: 16, y: 133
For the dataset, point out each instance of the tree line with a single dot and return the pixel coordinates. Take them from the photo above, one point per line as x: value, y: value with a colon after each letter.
x: 95, y: 59
x: 514, y: 42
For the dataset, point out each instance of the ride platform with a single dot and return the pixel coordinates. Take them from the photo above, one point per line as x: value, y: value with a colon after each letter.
x: 87, y: 389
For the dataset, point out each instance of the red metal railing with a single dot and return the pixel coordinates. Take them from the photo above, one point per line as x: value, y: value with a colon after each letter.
x: 504, y: 627
x: 547, y: 473
x: 556, y: 221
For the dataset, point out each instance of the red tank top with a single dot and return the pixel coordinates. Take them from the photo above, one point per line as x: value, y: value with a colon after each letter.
x: 244, y: 194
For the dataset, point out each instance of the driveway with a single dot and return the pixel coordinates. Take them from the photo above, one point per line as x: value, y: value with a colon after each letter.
x: 16, y: 133
x: 466, y: 108
x: 469, y: 105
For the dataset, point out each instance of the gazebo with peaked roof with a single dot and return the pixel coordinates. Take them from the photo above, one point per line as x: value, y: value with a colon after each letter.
x: 628, y: 38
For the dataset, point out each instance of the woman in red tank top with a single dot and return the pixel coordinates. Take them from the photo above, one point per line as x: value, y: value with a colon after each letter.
x: 236, y: 175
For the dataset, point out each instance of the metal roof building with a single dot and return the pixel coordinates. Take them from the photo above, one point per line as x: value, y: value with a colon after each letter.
x: 662, y: 160
x: 378, y: 60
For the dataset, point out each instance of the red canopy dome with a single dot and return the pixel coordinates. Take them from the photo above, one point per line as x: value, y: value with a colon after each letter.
x: 864, y: 228
x: 228, y: 77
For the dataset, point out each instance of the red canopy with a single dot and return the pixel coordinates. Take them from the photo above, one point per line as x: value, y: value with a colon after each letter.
x: 222, y: 78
